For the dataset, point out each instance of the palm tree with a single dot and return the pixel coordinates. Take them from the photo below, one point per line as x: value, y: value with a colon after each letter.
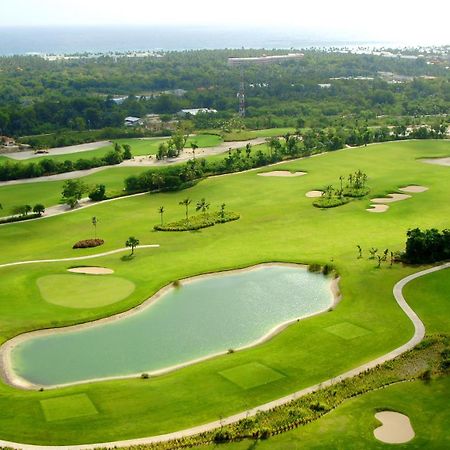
x: 194, y: 147
x: 248, y: 149
x: 132, y: 242
x: 94, y: 221
x: 202, y: 205
x: 359, y: 251
x: 161, y: 212
x: 186, y: 202
x: 373, y: 252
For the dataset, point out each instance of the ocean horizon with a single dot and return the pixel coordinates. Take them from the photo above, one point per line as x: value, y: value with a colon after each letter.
x: 108, y: 39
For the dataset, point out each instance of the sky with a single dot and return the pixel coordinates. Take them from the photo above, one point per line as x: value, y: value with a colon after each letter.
x: 385, y: 20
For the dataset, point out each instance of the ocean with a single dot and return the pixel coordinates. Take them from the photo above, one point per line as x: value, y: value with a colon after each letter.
x: 70, y: 40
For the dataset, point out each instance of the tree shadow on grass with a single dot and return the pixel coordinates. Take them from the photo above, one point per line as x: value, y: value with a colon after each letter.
x: 127, y: 257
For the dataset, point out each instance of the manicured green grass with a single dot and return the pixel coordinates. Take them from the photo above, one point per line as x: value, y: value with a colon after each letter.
x: 277, y: 224
x: 351, y: 425
x: 67, y: 407
x: 347, y: 330
x: 84, y: 291
x: 429, y: 297
x: 49, y: 192
x: 251, y: 375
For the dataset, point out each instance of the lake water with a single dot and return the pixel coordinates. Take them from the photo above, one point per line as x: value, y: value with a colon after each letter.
x: 203, y: 317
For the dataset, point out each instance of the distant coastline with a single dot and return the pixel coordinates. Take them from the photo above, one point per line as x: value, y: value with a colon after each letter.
x: 73, y: 40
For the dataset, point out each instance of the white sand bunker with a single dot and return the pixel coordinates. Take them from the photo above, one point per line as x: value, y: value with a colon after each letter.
x: 391, y: 198
x: 396, y: 428
x: 437, y: 161
x: 378, y: 208
x: 91, y: 270
x: 414, y: 189
x: 281, y: 173
x: 314, y: 194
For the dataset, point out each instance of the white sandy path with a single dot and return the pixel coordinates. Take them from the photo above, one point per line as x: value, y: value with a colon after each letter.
x: 437, y: 161
x: 390, y: 198
x: 91, y: 270
x: 58, y: 150
x: 413, y: 189
x: 396, y: 428
x: 281, y: 173
x: 77, y: 258
x: 419, y: 333
x: 140, y: 161
x: 378, y: 208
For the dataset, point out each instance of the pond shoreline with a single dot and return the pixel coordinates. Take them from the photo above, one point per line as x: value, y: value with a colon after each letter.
x: 9, y: 377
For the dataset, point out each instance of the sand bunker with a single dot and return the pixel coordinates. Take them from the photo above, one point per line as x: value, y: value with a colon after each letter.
x: 390, y: 198
x: 413, y: 189
x: 91, y: 270
x: 378, y: 208
x: 314, y: 194
x: 281, y: 173
x: 396, y: 428
x: 438, y: 161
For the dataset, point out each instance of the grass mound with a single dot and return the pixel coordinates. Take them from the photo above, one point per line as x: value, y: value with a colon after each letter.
x: 88, y: 243
x: 198, y: 222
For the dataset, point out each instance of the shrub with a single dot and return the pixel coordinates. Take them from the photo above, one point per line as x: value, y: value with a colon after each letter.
x: 98, y: 193
x: 222, y: 436
x: 145, y: 376
x: 332, y: 202
x: 19, y: 218
x: 198, y: 222
x: 327, y: 268
x: 314, y: 268
x: 88, y: 243
x: 356, y: 192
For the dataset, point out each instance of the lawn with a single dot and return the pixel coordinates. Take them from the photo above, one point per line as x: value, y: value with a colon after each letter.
x: 351, y: 425
x: 424, y: 403
x: 139, y: 147
x: 278, y: 223
x: 49, y: 192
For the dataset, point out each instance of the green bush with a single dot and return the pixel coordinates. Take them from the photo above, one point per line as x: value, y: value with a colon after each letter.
x: 198, y: 222
x: 332, y: 202
x: 356, y: 192
x: 314, y: 268
x: 20, y: 218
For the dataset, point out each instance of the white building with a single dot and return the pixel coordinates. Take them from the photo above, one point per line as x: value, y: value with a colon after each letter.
x: 132, y: 121
x: 195, y: 111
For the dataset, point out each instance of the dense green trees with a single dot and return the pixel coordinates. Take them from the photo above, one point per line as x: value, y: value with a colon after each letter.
x: 39, y: 96
x: 427, y: 246
x: 73, y: 191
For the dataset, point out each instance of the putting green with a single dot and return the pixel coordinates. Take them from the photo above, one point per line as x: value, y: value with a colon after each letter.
x: 67, y: 407
x: 83, y: 291
x: 251, y: 375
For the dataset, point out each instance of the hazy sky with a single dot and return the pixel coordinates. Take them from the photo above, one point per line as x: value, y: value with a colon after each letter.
x: 410, y: 20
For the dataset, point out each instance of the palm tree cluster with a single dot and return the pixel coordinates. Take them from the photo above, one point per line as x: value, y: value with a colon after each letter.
x: 202, y: 205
